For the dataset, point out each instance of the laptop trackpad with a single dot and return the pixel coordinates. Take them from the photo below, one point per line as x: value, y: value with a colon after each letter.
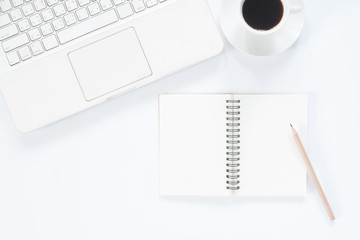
x: 110, y: 64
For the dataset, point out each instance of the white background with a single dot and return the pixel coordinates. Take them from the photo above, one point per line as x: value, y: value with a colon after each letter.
x: 95, y: 175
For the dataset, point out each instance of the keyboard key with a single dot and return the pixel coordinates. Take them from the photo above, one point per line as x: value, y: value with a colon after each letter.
x: 50, y: 42
x: 24, y: 25
x: 4, y: 20
x: 58, y: 24
x: 105, y: 4
x: 15, y: 42
x: 52, y: 2
x: 35, y: 20
x: 151, y: 3
x: 117, y: 2
x: 94, y: 9
x: 13, y: 58
x: 47, y: 14
x: 16, y: 14
x: 138, y: 5
x: 83, y: 2
x: 17, y: 3
x: 71, y: 5
x: 125, y: 11
x: 5, y: 5
x: 25, y: 53
x: 82, y: 14
x: 70, y: 19
x: 59, y: 9
x: 34, y: 34
x: 46, y: 29
x: 36, y: 48
x: 87, y: 26
x: 39, y: 4
x: 8, y: 31
x: 28, y: 9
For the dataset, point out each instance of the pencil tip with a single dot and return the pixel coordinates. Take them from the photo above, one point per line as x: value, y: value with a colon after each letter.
x: 291, y: 125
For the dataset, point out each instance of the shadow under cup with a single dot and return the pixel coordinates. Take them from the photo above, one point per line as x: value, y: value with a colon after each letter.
x: 262, y: 14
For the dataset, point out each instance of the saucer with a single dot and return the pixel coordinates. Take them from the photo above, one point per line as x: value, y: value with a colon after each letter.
x: 259, y: 43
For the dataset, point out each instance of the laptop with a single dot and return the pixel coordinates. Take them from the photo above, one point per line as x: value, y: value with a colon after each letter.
x: 59, y: 57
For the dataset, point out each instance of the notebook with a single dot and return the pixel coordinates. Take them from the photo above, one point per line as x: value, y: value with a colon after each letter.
x: 232, y: 144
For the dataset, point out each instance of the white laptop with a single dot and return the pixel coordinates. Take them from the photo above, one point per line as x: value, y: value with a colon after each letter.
x: 59, y: 57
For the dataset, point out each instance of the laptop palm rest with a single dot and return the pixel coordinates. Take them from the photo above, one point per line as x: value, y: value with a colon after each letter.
x: 109, y: 64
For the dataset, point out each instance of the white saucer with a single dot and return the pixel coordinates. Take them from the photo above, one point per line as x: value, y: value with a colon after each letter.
x: 259, y: 43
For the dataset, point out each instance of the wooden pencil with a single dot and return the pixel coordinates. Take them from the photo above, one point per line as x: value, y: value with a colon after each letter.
x: 312, y: 173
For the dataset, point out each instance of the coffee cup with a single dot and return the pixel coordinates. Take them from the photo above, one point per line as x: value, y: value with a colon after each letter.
x: 262, y: 27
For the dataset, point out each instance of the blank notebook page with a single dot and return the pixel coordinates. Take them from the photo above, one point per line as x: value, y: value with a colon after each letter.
x: 193, y: 145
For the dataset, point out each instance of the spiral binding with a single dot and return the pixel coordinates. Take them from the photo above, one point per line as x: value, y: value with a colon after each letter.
x: 233, y: 144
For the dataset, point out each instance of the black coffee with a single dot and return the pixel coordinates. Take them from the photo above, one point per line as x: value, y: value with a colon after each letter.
x: 262, y: 14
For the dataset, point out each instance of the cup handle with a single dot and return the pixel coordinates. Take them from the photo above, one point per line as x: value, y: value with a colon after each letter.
x: 295, y: 9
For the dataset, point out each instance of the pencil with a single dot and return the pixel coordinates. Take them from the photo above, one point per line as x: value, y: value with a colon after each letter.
x: 312, y: 173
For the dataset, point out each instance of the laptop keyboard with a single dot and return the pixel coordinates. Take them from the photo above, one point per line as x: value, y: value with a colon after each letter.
x: 29, y: 28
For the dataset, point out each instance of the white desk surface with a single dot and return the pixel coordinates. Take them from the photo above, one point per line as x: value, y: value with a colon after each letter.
x: 95, y: 175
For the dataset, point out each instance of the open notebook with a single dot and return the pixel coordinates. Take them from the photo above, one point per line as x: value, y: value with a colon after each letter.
x: 232, y: 144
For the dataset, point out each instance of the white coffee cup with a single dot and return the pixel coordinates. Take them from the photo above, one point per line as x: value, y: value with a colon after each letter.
x: 262, y: 42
